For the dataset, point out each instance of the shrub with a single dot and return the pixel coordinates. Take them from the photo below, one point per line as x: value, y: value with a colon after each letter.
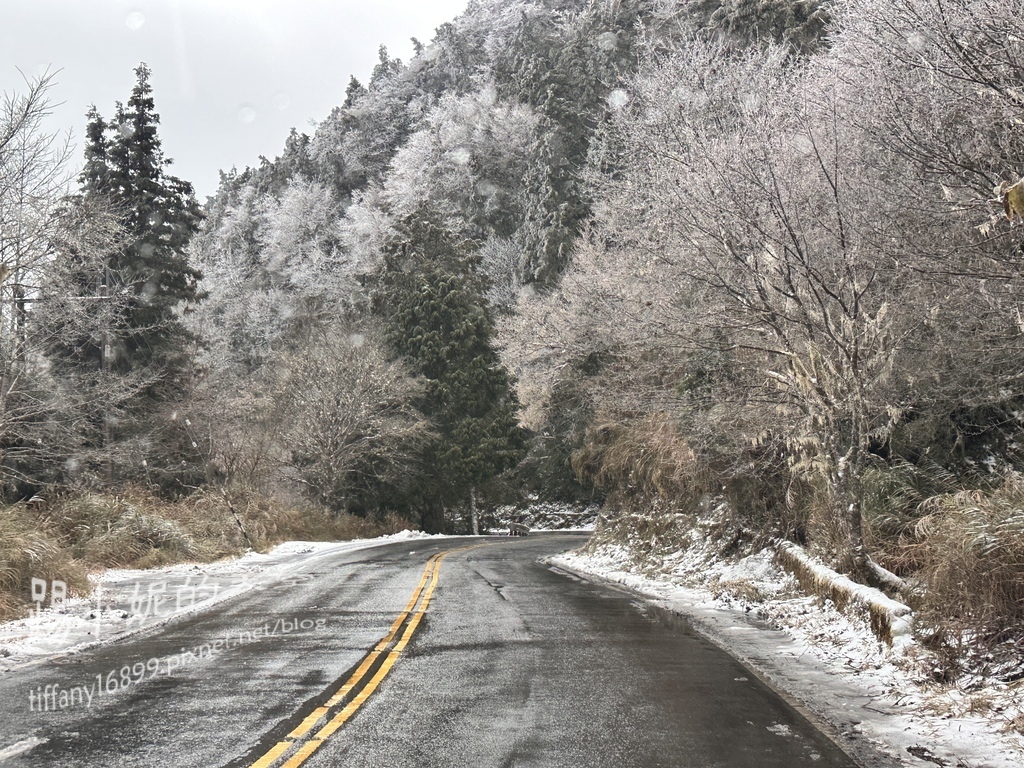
x: 970, y: 546
x: 26, y: 552
x: 893, y: 496
x: 648, y: 458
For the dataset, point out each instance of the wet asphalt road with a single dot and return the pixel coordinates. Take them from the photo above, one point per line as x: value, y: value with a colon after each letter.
x: 513, y: 664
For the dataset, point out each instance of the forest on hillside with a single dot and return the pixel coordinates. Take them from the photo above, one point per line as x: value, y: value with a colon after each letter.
x: 751, y: 265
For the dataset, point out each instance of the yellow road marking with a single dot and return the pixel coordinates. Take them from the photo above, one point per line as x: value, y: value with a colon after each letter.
x: 421, y: 597
x: 303, y: 754
x: 434, y: 565
x: 276, y: 751
x: 306, y: 725
x: 303, y: 728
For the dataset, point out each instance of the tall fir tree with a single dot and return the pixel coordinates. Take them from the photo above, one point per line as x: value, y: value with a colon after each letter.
x: 438, y: 320
x: 126, y: 168
x: 148, y: 274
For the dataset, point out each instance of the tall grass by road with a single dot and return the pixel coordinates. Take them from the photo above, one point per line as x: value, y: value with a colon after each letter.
x: 74, y: 535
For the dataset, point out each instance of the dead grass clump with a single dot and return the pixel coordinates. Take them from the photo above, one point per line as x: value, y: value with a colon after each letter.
x: 646, y: 458
x: 131, y: 530
x: 141, y: 540
x: 891, y: 497
x: 139, y: 529
x: 970, y: 547
x: 1016, y: 723
x: 27, y: 552
x: 136, y: 529
x: 741, y: 590
x: 219, y: 518
x: 650, y: 531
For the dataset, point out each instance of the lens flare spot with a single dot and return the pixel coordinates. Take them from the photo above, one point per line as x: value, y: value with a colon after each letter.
x: 134, y: 21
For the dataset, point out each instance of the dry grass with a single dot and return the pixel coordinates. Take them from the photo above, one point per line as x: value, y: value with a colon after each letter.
x: 648, y: 458
x: 740, y: 589
x: 650, y: 534
x: 658, y: 486
x: 892, y: 499
x: 26, y: 552
x: 134, y: 529
x: 970, y: 546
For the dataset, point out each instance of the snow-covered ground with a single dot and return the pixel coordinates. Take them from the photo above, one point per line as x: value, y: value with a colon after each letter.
x: 545, y: 516
x: 125, y: 602
x: 828, y: 661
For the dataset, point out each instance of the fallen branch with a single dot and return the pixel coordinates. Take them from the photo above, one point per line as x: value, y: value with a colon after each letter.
x: 887, y: 580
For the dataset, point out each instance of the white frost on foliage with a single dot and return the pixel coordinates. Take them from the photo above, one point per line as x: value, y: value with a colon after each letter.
x: 467, y: 144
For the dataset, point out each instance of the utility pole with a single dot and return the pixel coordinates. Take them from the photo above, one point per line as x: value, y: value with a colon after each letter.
x: 4, y: 364
x: 108, y: 463
x: 20, y: 323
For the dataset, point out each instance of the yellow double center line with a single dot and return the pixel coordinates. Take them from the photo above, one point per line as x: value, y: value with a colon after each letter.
x: 303, y: 741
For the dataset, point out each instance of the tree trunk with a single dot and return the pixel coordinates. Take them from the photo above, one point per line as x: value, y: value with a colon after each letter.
x: 848, y: 503
x: 472, y: 512
x: 432, y: 518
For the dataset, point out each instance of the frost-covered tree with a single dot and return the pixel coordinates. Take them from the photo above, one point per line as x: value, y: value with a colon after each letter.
x: 149, y: 275
x: 352, y: 430
x: 467, y: 162
x: 778, y: 264
x: 799, y: 24
x: 48, y: 418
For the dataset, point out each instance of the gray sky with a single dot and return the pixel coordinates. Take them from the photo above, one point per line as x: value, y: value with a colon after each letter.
x: 230, y: 77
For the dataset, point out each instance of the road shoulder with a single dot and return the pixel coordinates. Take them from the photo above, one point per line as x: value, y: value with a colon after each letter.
x: 863, y: 710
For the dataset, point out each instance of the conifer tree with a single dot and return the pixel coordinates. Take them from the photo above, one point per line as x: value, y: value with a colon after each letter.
x: 125, y: 167
x: 439, y: 322
x: 147, y: 278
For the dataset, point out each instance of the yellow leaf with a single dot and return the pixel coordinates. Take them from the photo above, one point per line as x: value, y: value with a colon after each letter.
x: 1012, y: 198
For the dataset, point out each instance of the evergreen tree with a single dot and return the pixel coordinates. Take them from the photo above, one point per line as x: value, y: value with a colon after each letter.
x: 800, y: 24
x: 439, y: 322
x: 565, y: 70
x: 385, y: 69
x: 147, y: 278
x: 125, y: 167
x: 354, y: 92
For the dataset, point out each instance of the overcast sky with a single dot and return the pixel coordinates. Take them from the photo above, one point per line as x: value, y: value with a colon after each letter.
x: 230, y: 77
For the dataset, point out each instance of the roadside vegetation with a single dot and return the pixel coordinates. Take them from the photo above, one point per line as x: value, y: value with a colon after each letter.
x: 72, y: 536
x: 744, y: 267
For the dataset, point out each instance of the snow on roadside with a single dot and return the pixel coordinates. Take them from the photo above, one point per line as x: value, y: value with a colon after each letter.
x: 876, y: 700
x: 127, y: 601
x: 546, y: 516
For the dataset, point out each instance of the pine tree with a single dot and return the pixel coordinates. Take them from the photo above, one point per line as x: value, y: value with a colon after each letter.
x: 354, y: 92
x: 147, y: 278
x: 439, y: 322
x: 125, y: 167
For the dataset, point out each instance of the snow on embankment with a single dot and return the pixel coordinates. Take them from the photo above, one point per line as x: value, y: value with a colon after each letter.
x: 880, y: 699
x: 891, y: 621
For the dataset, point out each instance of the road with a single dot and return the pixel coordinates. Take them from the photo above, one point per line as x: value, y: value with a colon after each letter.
x: 392, y: 657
